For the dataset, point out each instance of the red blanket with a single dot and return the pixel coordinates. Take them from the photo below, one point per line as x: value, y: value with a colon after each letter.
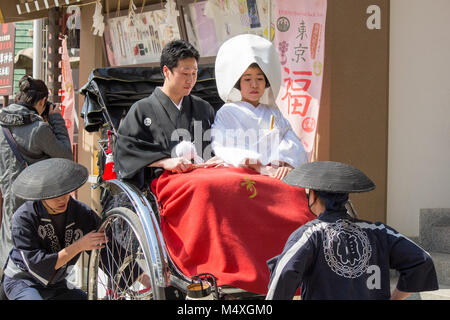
x: 228, y: 222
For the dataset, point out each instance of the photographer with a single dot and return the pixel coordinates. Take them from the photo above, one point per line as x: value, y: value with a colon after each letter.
x: 26, y: 138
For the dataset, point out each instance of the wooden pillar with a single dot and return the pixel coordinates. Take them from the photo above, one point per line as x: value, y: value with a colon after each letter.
x: 54, y: 55
x: 353, y: 119
x: 91, y: 57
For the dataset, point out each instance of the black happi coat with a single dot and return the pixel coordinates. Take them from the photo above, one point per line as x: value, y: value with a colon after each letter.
x: 36, y: 244
x: 337, y: 257
x: 147, y: 135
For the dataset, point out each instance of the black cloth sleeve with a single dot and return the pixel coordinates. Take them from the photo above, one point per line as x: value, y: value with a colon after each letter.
x: 138, y: 145
x: 287, y: 269
x: 417, y: 272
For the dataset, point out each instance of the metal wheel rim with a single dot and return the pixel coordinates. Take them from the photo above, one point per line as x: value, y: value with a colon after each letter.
x: 131, y: 248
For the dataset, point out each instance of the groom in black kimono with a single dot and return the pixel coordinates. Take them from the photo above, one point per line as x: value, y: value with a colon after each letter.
x: 155, y: 125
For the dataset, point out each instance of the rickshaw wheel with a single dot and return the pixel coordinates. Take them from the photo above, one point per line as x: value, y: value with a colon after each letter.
x: 127, y: 250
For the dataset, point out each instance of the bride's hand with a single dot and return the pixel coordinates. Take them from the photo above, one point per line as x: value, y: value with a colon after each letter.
x: 281, y: 172
x: 214, y: 162
x: 252, y: 164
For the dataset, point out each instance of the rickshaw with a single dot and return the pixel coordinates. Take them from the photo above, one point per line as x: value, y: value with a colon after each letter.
x: 130, y: 214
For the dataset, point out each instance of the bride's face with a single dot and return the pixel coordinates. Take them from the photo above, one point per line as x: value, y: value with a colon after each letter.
x: 252, y: 85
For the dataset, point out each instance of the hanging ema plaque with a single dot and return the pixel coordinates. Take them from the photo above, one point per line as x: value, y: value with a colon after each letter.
x: 7, y: 39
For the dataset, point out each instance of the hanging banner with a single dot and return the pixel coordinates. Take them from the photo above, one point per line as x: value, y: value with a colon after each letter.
x: 7, y: 41
x: 68, y: 97
x: 300, y: 39
x: 140, y: 40
x: 210, y: 23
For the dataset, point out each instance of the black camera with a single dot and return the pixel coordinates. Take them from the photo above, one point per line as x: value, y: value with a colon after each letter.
x: 48, y: 104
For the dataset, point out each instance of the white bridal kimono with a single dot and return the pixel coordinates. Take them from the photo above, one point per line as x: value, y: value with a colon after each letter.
x: 242, y: 131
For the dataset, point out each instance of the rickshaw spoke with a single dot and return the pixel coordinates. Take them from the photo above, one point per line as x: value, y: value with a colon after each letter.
x: 125, y: 262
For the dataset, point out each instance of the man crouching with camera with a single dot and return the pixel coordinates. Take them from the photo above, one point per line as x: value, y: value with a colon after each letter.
x: 32, y: 129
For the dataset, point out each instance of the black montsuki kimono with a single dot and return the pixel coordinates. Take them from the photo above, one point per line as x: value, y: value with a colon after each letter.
x: 154, y: 125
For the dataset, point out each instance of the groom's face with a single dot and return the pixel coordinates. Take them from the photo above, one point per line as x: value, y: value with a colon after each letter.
x: 182, y: 78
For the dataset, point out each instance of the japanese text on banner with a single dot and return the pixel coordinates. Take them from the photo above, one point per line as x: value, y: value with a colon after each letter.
x: 300, y: 39
x: 7, y: 41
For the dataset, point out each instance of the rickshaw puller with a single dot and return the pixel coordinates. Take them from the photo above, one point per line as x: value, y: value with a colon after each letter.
x: 50, y: 232
x: 337, y: 256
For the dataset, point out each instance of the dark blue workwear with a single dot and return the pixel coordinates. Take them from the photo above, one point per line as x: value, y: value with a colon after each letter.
x: 338, y: 257
x: 33, y: 258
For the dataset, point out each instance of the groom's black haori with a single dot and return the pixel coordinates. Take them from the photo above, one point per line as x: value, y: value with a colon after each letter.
x: 146, y: 133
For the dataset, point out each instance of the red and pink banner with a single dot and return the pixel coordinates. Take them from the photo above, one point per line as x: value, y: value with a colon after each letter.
x: 300, y: 39
x: 68, y: 97
x: 7, y: 42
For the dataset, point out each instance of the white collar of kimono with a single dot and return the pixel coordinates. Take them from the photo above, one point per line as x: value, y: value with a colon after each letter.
x: 236, y: 55
x: 179, y: 104
x: 176, y: 105
x: 247, y: 105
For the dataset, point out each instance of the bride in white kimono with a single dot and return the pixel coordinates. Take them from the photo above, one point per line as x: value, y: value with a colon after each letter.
x: 248, y: 132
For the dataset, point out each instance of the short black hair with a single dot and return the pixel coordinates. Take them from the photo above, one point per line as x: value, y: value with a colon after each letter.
x: 253, y: 65
x: 177, y: 50
x: 31, y: 91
